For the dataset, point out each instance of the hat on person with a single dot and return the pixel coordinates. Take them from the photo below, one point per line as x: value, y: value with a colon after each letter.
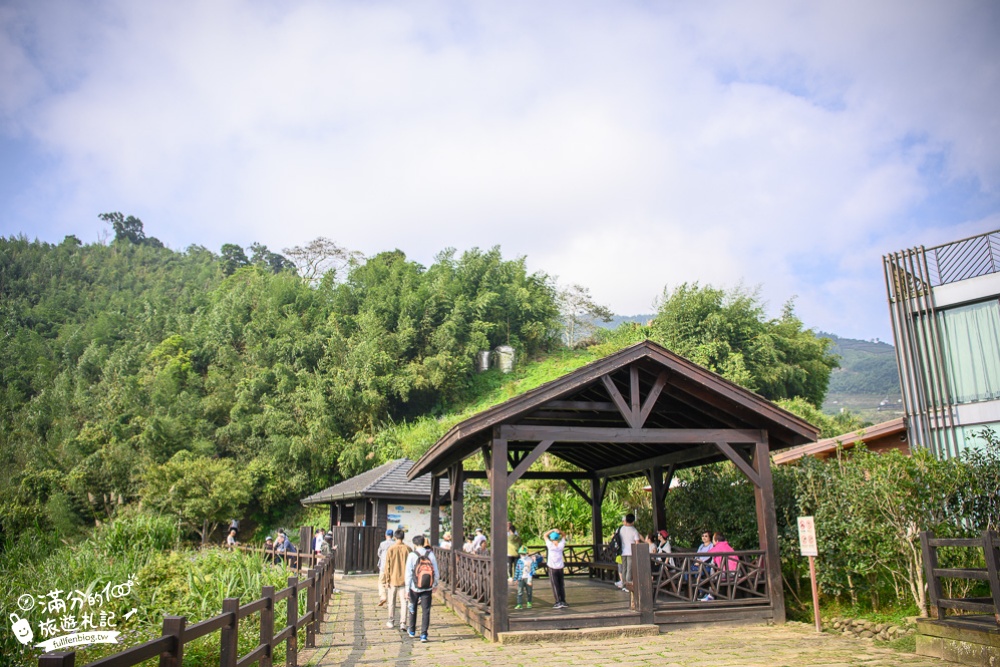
x: 664, y: 534
x: 388, y: 532
x: 269, y: 539
x: 554, y: 535
x: 447, y: 536
x: 522, y: 550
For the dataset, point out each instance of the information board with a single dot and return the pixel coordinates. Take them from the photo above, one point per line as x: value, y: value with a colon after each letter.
x: 807, y: 536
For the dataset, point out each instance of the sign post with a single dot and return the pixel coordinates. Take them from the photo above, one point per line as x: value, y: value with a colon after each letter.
x: 808, y: 547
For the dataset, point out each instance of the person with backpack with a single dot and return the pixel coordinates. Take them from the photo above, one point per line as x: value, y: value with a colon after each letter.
x: 616, y: 548
x: 421, y: 580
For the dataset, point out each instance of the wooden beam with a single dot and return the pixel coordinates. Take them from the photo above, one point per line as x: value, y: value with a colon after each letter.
x: 488, y: 462
x: 594, y: 406
x: 597, y: 487
x: 435, y: 512
x: 680, y: 436
x: 580, y: 491
x: 656, y: 486
x: 675, y: 458
x: 526, y: 462
x: 767, y: 527
x: 668, y: 477
x: 740, y: 462
x: 536, y: 474
x: 633, y: 388
x: 498, y: 535
x: 619, y: 401
x: 654, y: 394
x: 456, y: 488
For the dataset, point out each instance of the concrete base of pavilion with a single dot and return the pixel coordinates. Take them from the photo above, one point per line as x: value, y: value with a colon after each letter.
x: 597, y: 604
x: 972, y: 639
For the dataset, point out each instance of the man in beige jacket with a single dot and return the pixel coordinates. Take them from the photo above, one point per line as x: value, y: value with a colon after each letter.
x: 395, y: 578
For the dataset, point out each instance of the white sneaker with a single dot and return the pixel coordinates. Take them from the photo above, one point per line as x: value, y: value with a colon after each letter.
x: 388, y: 624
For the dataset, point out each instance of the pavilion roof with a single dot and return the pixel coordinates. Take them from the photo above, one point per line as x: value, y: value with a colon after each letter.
x: 685, y: 397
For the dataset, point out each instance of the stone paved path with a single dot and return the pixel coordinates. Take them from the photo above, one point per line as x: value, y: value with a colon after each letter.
x: 355, y: 634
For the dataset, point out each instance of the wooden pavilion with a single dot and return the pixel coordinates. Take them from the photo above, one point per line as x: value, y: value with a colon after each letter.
x: 643, y: 411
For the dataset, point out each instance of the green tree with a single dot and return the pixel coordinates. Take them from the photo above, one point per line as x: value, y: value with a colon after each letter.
x: 200, y: 491
x: 728, y: 333
x: 126, y: 229
x: 232, y: 258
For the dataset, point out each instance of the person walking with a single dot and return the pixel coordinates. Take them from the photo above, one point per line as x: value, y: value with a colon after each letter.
x: 421, y: 580
x: 629, y: 536
x: 383, y: 547
x: 395, y: 578
x: 513, y: 544
x: 555, y: 543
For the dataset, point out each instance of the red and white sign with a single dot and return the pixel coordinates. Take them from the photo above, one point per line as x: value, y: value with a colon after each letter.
x: 807, y: 536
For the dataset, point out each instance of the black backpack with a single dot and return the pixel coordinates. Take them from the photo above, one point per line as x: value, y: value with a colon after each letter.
x: 616, y: 542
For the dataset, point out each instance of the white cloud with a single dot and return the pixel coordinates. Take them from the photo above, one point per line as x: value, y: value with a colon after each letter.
x: 625, y: 147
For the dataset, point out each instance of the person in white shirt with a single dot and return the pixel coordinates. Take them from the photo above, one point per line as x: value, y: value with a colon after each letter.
x: 477, y: 541
x: 629, y: 537
x: 556, y: 543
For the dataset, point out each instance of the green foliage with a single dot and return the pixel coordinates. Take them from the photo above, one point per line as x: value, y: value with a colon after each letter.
x: 869, y: 510
x: 201, y: 492
x: 116, y: 360
x: 727, y: 332
x: 829, y: 427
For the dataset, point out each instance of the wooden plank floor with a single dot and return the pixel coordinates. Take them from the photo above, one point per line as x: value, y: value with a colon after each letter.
x: 591, y: 604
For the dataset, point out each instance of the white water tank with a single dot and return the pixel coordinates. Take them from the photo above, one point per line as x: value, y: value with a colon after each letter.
x: 505, y: 358
x: 482, y: 361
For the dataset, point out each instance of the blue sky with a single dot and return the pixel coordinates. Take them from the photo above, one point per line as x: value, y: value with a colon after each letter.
x: 625, y: 146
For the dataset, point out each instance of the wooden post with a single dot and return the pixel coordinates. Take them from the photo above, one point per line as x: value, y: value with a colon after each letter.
x: 173, y: 626
x: 498, y: 535
x: 767, y: 525
x: 311, y: 580
x: 305, y: 545
x: 930, y: 564
x: 815, y: 591
x: 57, y: 659
x: 656, y: 486
x: 267, y: 626
x: 230, y: 634
x: 333, y: 511
x: 456, y: 488
x: 642, y: 582
x: 992, y: 554
x: 596, y: 520
x: 292, y: 645
x: 435, y: 511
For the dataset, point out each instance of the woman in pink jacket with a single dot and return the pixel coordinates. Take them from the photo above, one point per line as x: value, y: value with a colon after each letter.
x: 726, y: 563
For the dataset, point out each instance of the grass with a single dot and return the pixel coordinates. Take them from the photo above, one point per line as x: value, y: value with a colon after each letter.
x: 169, y: 580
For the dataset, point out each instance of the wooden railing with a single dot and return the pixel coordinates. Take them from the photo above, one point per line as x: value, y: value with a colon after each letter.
x: 465, y: 574
x: 687, y: 577
x: 169, y: 648
x: 990, y: 545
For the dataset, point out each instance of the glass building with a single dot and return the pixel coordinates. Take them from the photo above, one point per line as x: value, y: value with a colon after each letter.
x: 945, y: 308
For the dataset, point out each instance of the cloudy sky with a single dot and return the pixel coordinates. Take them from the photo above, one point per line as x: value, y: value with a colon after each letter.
x: 627, y: 146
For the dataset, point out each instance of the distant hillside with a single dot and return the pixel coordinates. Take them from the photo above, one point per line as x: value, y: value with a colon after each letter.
x: 622, y: 319
x: 867, y: 381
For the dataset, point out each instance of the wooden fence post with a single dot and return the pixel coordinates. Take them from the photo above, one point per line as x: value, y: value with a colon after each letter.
x: 306, y: 545
x: 229, y: 635
x: 642, y: 582
x: 173, y: 626
x: 267, y: 626
x: 292, y: 646
x: 992, y: 554
x: 311, y: 580
x: 930, y: 564
x: 58, y: 659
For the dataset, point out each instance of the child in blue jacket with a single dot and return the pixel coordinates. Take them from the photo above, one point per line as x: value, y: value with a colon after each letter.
x: 524, y: 571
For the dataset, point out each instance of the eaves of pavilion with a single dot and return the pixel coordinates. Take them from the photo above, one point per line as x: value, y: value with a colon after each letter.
x: 642, y: 411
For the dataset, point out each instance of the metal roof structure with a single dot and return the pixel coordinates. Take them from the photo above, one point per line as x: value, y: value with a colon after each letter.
x: 386, y: 481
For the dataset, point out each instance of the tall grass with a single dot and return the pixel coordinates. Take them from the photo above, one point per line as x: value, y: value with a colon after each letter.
x: 169, y: 580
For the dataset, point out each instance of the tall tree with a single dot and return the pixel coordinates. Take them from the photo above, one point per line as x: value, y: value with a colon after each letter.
x: 580, y: 313
x: 126, y: 229
x: 320, y: 256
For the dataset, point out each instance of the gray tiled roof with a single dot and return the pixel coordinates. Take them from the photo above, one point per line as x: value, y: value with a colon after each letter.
x: 386, y: 481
